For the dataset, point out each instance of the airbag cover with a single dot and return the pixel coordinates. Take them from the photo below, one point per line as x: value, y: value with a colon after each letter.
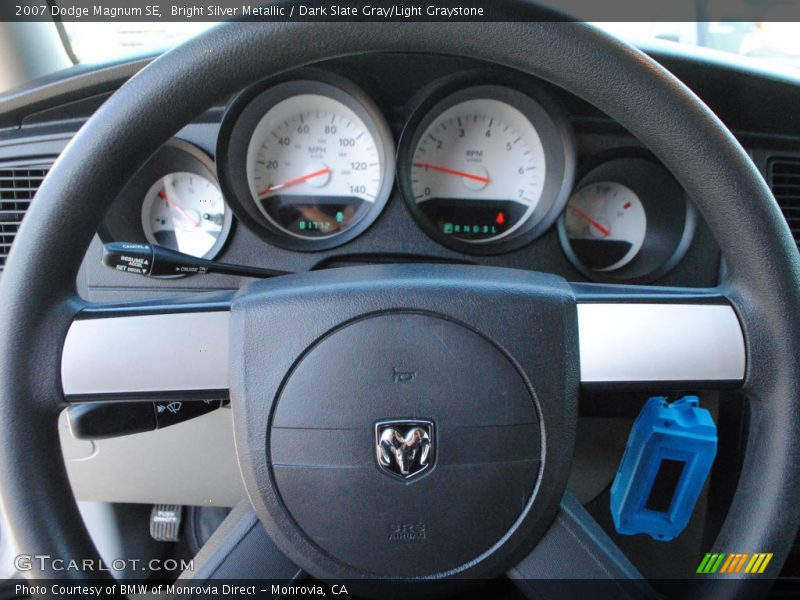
x: 483, y: 459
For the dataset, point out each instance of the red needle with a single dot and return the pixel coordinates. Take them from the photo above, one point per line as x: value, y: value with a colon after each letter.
x: 163, y: 195
x: 279, y: 186
x: 590, y: 220
x: 453, y: 172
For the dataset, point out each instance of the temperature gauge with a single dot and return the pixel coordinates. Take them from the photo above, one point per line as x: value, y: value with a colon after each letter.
x: 186, y: 212
x: 606, y: 225
x: 629, y: 220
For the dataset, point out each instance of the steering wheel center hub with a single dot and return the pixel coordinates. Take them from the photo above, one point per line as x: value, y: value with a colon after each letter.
x: 420, y: 435
x: 413, y: 404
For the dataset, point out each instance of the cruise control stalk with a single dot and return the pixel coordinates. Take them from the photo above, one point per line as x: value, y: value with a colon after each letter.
x: 158, y: 261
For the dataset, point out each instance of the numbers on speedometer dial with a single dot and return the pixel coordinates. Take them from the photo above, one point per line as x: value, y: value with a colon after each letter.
x: 477, y: 170
x: 315, y: 167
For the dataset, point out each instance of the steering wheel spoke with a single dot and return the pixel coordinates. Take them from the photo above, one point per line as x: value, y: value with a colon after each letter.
x: 574, y: 549
x: 147, y: 350
x: 240, y: 550
x: 635, y: 337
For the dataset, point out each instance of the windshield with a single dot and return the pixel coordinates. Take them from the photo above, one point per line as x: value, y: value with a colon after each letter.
x: 105, y: 42
x: 775, y: 42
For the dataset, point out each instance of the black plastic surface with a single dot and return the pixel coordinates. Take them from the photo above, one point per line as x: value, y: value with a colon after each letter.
x: 487, y: 355
x: 99, y: 417
x: 98, y: 420
x: 592, y: 556
x: 486, y: 440
x: 239, y: 549
x: 172, y: 412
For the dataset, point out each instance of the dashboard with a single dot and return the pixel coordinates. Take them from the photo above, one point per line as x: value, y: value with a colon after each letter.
x: 453, y: 161
x: 595, y: 206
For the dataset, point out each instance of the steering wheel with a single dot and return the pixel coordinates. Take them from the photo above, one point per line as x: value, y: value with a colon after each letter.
x: 499, y: 354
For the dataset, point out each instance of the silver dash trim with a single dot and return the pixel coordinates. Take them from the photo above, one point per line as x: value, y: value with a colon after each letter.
x: 148, y: 353
x: 619, y: 342
x: 660, y: 342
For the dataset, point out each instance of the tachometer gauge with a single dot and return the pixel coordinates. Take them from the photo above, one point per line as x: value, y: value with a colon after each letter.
x: 318, y: 163
x: 185, y: 211
x: 478, y: 169
x: 487, y: 165
x: 606, y: 225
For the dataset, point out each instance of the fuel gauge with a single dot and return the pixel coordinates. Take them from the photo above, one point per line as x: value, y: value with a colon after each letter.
x: 185, y: 211
x: 628, y: 221
x: 605, y: 225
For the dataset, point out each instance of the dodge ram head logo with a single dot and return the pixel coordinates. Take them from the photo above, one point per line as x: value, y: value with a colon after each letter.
x: 404, y: 448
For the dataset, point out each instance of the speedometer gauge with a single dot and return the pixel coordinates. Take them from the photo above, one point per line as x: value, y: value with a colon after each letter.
x: 314, y: 167
x: 318, y: 163
x: 486, y: 166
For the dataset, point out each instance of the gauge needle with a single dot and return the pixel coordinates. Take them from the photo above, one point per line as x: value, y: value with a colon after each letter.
x: 453, y: 172
x: 163, y: 195
x: 590, y: 220
x: 279, y: 186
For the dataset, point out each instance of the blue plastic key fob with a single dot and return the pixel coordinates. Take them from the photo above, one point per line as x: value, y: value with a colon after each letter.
x: 667, y: 459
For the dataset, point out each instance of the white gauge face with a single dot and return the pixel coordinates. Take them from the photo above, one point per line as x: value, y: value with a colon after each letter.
x: 478, y: 170
x: 185, y: 212
x: 606, y: 225
x: 314, y: 166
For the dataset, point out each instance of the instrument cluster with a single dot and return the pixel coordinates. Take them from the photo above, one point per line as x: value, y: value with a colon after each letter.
x: 483, y: 167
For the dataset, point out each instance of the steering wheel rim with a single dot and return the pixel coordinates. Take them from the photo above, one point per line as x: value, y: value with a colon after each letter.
x: 38, y: 286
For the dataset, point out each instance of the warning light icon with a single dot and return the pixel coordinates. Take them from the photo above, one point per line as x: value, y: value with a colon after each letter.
x: 500, y: 219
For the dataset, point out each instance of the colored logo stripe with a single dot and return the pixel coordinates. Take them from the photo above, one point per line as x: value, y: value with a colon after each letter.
x: 758, y: 563
x: 711, y: 562
x: 722, y: 562
x: 734, y: 563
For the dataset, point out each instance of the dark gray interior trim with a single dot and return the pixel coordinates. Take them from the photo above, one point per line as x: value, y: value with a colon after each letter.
x: 592, y: 555
x: 239, y: 550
